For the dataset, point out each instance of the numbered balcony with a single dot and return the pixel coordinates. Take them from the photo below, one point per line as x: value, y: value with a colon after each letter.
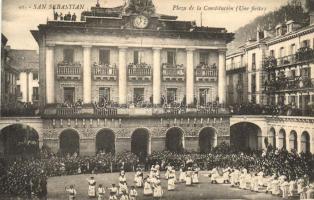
x: 142, y: 72
x: 204, y: 72
x: 105, y: 72
x: 68, y: 71
x: 173, y: 72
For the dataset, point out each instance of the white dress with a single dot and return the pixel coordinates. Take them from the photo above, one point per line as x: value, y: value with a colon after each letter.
x: 182, y: 176
x: 195, y: 177
x: 101, y: 193
x: 171, y: 182
x: 188, y: 178
x: 147, y: 188
x: 91, y: 188
x: 133, y: 194
x: 138, y: 179
x: 158, y: 192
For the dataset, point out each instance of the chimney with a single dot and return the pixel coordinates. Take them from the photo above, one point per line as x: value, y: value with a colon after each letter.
x: 259, y: 34
x: 312, y: 18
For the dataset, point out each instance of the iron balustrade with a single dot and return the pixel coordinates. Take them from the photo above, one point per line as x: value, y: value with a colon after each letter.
x: 139, y: 69
x: 169, y: 70
x: 35, y: 97
x: 234, y: 66
x: 204, y: 72
x: 69, y: 69
x: 106, y: 111
x: 289, y: 84
x: 104, y: 70
x: 303, y: 55
x: 66, y: 111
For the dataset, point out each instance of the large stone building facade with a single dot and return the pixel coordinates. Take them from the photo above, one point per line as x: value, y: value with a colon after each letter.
x: 138, y: 77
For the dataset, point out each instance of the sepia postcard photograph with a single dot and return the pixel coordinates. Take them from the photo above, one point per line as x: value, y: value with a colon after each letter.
x: 157, y: 99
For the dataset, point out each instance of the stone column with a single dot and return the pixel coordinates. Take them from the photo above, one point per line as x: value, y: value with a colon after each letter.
x: 189, y: 76
x: 222, y: 76
x: 87, y: 77
x: 50, y: 75
x: 156, y: 75
x: 122, y: 76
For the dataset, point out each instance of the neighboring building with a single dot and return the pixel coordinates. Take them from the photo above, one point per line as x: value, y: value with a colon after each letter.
x: 135, y: 62
x: 237, y: 86
x: 27, y: 83
x: 8, y: 79
x: 290, y: 66
x: 280, y: 66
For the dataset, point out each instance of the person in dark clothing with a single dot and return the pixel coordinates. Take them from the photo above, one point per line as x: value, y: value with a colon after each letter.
x: 74, y: 17
x: 43, y: 188
x: 55, y: 15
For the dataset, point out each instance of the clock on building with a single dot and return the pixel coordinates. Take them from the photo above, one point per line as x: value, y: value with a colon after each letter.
x: 140, y: 21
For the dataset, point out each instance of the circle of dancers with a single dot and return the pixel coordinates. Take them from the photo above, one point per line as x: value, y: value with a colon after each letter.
x: 151, y: 184
x: 278, y: 185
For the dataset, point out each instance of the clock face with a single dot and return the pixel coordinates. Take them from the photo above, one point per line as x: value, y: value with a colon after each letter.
x: 140, y: 21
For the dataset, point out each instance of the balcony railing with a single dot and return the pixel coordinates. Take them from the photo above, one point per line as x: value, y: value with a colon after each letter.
x: 35, y: 97
x: 68, y: 111
x: 303, y: 55
x: 206, y: 73
x: 236, y: 66
x: 139, y: 71
x: 69, y: 71
x: 106, y: 71
x: 173, y: 72
x: 105, y: 111
x: 289, y: 84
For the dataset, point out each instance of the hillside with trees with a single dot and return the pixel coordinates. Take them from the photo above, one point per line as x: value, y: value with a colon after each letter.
x: 294, y: 10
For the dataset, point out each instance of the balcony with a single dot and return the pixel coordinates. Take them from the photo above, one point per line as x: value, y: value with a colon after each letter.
x: 290, y: 85
x: 204, y: 72
x: 68, y: 71
x: 68, y: 111
x: 234, y: 68
x: 138, y: 72
x: 105, y: 72
x: 303, y: 55
x: 35, y: 97
x: 173, y: 72
x: 103, y: 112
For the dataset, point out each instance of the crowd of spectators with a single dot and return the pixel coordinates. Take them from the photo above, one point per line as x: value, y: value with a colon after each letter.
x: 28, y: 177
x: 16, y: 108
x: 66, y: 17
x: 272, y: 109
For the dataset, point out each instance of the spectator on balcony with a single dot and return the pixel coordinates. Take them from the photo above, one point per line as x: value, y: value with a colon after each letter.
x: 61, y: 16
x: 162, y: 100
x: 214, y: 66
x: 55, y: 16
x: 79, y: 102
x: 73, y: 17
x: 183, y: 102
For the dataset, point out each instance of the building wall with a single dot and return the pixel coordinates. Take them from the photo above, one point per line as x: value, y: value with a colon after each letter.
x: 123, y: 129
x: 148, y: 86
x: 26, y: 83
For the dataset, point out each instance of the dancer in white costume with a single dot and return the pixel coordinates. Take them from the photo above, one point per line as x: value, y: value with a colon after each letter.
x: 171, y: 180
x: 91, y: 187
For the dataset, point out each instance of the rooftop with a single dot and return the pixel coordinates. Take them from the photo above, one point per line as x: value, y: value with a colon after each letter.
x: 120, y: 20
x: 23, y: 60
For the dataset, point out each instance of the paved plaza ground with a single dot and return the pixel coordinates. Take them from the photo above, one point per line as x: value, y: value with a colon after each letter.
x: 201, y: 191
